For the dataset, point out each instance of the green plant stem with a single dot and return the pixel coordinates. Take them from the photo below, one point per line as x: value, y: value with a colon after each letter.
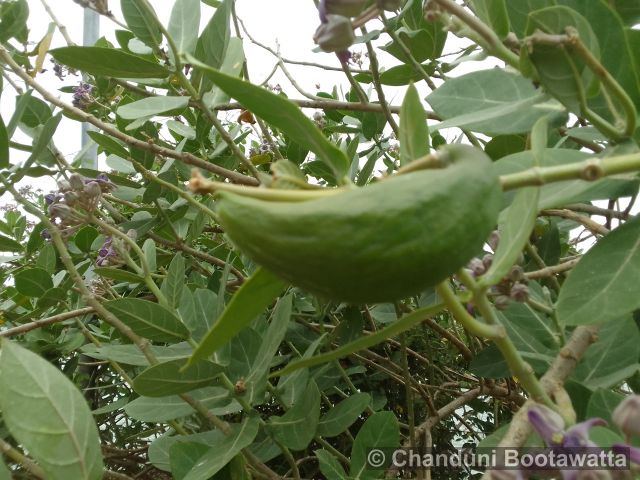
x: 490, y: 40
x: 21, y: 459
x: 146, y: 272
x: 473, y: 325
x: 377, y: 84
x: 588, y: 170
x: 521, y: 369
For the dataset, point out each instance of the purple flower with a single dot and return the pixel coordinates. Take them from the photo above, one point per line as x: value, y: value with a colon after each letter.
x: 633, y: 452
x: 50, y: 198
x: 82, y: 95
x: 550, y: 426
x: 106, y: 251
x: 45, y: 234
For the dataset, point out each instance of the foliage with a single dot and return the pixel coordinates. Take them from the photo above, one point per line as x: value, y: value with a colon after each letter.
x: 139, y: 341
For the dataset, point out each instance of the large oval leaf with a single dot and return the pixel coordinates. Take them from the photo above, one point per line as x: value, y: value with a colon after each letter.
x: 148, y: 319
x: 47, y: 414
x: 603, y: 285
x: 255, y: 295
x: 170, y: 379
x: 109, y: 62
x: 148, y: 107
x: 281, y: 113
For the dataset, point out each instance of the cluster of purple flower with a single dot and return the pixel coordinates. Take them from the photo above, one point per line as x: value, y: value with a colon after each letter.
x: 74, y: 197
x: 82, y: 97
x: 551, y: 427
x: 512, y: 288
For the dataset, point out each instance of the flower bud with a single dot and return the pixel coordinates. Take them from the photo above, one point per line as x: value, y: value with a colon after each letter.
x: 519, y: 292
x: 516, y: 273
x: 63, y: 185
x: 347, y: 8
x: 390, y: 5
x: 71, y: 198
x: 494, y: 240
x: 627, y: 415
x: 502, y: 302
x: 477, y: 267
x: 92, y: 189
x: 60, y: 210
x: 487, y: 260
x: 50, y: 198
x: 132, y: 234
x: 335, y: 35
x: 76, y: 182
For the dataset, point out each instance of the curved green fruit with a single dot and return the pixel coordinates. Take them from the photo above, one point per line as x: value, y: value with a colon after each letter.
x: 379, y: 243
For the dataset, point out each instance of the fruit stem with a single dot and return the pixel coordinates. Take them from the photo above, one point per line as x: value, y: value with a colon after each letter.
x: 199, y: 184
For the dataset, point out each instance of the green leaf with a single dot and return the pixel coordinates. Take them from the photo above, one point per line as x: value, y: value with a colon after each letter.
x: 118, y: 274
x: 493, y: 13
x: 170, y: 378
x: 162, y: 409
x: 559, y: 68
x: 297, y: 427
x: 602, y: 286
x: 4, y: 146
x: 5, y: 474
x: 142, y: 22
x: 44, y: 138
x: 109, y: 62
x: 148, y: 319
x: 617, y: 53
x: 602, y: 403
x: 280, y: 113
x: 251, y: 299
x: 269, y: 347
x: 212, y: 44
x: 149, y: 107
x: 342, y: 415
x: 109, y: 144
x: 183, y: 456
x: 149, y: 249
x: 184, y: 23
x: 13, y: 19
x: 612, y: 358
x: 33, y: 282
x: 48, y: 416
x: 47, y: 258
x: 414, y: 132
x: 85, y: 238
x: 472, y: 101
x: 380, y: 430
x: 131, y: 354
x: 52, y: 297
x: 224, y: 449
x: 405, y: 323
x: 9, y: 245
x: 174, y: 282
x: 515, y: 225
x: 181, y: 129
x: 330, y: 467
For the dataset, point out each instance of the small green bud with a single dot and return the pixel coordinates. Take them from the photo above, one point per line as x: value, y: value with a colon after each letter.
x: 336, y: 35
x: 347, y: 8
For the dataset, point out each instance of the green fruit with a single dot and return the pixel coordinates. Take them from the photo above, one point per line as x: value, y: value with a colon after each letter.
x: 379, y: 243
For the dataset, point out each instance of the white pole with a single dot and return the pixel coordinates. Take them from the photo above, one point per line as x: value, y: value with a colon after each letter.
x: 91, y: 34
